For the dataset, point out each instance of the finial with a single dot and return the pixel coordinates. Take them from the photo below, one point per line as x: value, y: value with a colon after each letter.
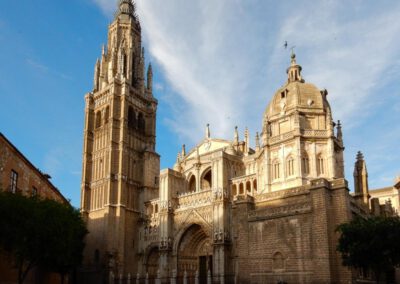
x: 293, y: 55
x: 126, y: 7
x: 236, y: 136
x: 103, y: 50
x: 360, y: 156
x: 183, y: 150
x: 339, y: 134
x: 257, y: 141
x: 208, y: 131
x: 150, y: 78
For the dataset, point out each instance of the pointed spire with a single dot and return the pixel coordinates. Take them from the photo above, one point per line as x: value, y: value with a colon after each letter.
x: 208, y: 131
x: 150, y: 78
x: 294, y: 71
x: 361, y: 179
x: 183, y: 151
x: 339, y: 134
x: 96, y: 76
x: 257, y: 142
x: 236, y: 136
x: 246, y: 140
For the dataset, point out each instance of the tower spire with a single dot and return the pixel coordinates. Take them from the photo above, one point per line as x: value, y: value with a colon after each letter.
x: 361, y: 179
x: 125, y: 7
x: 208, y: 131
x: 127, y: 10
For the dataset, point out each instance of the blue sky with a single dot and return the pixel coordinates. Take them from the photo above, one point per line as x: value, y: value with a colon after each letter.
x: 216, y: 62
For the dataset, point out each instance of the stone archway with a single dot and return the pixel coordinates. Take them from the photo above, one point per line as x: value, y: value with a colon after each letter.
x: 194, y: 253
x: 152, y: 263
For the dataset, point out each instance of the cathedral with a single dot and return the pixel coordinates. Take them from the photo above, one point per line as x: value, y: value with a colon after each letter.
x: 225, y: 212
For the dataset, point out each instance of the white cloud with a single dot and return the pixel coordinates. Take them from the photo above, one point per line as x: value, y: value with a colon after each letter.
x: 225, y: 59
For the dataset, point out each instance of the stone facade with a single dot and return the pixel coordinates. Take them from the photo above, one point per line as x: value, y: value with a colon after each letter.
x: 225, y: 212
x: 19, y: 175
x: 386, y: 200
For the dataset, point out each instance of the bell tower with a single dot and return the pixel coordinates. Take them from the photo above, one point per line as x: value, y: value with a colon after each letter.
x: 120, y: 166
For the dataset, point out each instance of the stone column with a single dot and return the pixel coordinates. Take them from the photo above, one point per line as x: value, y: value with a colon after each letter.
x: 185, y: 277
x: 173, y: 278
x: 209, y: 279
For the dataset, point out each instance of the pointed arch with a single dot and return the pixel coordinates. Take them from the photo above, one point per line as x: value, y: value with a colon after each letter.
x: 276, y: 169
x: 241, y: 188
x: 248, y: 186
x: 320, y: 165
x: 278, y: 261
x: 206, y: 179
x: 98, y: 119
x: 290, y: 166
x: 141, y: 124
x: 305, y: 163
x: 131, y: 118
x: 234, y: 190
x: 192, y: 183
x: 107, y: 114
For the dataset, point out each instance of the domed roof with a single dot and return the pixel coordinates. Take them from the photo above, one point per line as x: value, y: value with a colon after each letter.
x: 296, y: 94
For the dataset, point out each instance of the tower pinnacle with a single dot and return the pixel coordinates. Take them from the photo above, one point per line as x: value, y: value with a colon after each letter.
x: 294, y: 71
x: 126, y: 9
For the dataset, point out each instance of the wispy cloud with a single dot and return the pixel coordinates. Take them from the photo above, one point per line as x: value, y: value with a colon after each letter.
x: 38, y: 66
x: 225, y: 59
x: 45, y: 69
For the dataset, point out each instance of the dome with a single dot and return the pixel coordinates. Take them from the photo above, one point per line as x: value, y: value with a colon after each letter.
x: 296, y: 94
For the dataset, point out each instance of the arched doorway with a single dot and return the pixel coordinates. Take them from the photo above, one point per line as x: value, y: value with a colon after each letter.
x: 194, y: 254
x: 152, y: 264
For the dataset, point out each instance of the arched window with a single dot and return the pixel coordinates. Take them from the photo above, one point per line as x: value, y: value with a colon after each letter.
x: 248, y: 187
x: 278, y: 262
x: 255, y: 185
x: 234, y: 190
x: 125, y: 65
x: 276, y: 169
x: 156, y: 208
x: 98, y: 119
x: 141, y: 124
x: 290, y: 166
x: 206, y: 181
x: 305, y: 164
x: 192, y: 183
x: 107, y: 114
x: 241, y: 188
x: 320, y: 165
x: 96, y: 256
x: 131, y: 118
